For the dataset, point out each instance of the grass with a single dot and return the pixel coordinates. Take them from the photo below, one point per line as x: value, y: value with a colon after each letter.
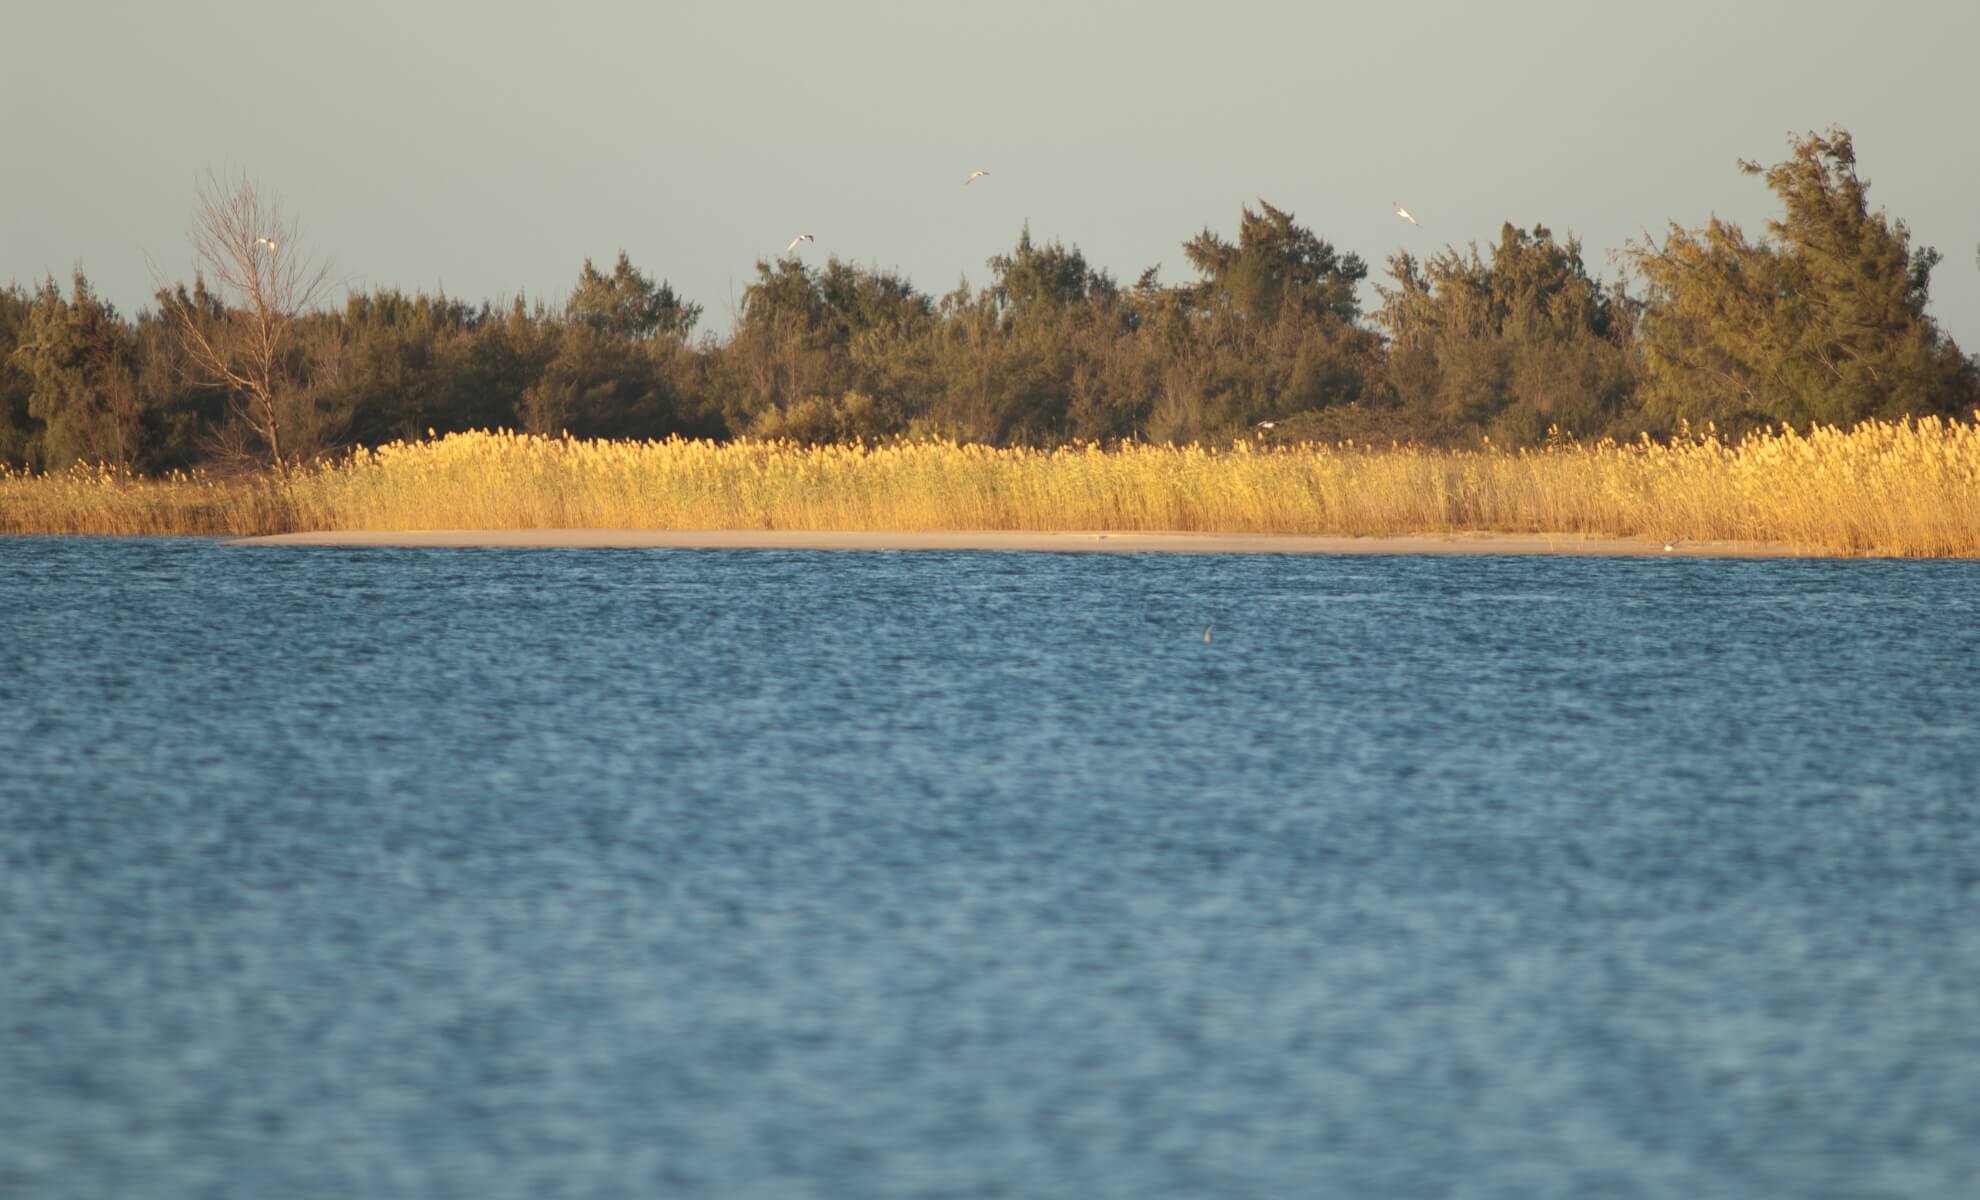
x: 1908, y: 488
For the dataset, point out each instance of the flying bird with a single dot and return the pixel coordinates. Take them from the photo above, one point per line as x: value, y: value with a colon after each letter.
x: 1404, y: 214
x: 974, y: 176
x: 268, y: 242
x: 802, y: 237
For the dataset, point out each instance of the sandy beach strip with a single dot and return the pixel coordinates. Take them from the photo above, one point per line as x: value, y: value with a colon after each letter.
x: 1052, y: 543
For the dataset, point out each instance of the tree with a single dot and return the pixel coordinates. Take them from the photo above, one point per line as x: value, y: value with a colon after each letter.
x: 80, y: 363
x: 1043, y: 281
x: 1270, y: 332
x: 262, y: 280
x: 1511, y: 345
x: 627, y: 304
x: 822, y: 352
x: 1276, y: 262
x: 1824, y: 323
x: 18, y: 426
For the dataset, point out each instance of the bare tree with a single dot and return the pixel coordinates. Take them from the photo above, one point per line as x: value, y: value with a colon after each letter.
x: 262, y: 280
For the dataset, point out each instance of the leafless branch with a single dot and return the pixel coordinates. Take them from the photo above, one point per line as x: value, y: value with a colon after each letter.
x: 252, y: 255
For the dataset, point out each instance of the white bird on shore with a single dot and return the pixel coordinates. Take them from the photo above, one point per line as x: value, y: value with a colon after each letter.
x: 1404, y: 214
x: 802, y: 237
x: 974, y: 176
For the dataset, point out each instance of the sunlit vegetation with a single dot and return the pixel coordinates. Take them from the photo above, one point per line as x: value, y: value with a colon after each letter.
x: 1820, y: 321
x: 1784, y: 387
x: 1891, y: 488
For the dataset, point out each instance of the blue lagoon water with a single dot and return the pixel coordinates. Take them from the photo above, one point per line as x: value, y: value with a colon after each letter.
x: 528, y: 873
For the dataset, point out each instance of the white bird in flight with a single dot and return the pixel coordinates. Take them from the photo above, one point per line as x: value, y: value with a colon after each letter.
x: 974, y: 176
x: 802, y: 237
x: 268, y: 242
x: 1404, y: 214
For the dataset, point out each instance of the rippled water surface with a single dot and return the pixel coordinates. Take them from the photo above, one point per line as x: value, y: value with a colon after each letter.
x: 521, y: 873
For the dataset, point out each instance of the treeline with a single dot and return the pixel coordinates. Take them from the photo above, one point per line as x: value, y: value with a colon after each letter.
x: 1821, y: 321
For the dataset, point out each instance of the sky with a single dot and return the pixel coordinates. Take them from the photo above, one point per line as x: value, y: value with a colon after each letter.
x: 488, y: 149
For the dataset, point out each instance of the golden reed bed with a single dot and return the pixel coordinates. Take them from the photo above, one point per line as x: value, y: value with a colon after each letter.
x: 1905, y: 488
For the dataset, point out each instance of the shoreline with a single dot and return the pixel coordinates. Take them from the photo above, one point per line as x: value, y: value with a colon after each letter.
x: 1034, y: 542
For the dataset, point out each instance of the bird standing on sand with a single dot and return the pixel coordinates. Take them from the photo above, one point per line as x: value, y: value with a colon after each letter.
x: 974, y: 176
x: 802, y: 237
x: 1404, y: 214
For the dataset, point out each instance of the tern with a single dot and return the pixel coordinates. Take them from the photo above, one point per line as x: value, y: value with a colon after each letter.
x: 802, y: 237
x: 974, y: 176
x: 1404, y: 214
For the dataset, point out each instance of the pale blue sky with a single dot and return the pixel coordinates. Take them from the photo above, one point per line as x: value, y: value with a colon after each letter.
x: 488, y: 148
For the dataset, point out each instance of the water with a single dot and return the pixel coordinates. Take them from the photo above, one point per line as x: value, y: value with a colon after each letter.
x: 480, y: 873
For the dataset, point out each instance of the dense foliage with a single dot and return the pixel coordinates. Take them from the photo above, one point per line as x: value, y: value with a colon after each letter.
x: 1823, y: 321
x: 1824, y: 324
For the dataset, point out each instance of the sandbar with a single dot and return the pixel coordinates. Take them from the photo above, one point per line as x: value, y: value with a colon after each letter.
x: 1033, y: 542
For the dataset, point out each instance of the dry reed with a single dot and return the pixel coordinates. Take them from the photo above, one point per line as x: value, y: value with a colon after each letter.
x: 1895, y: 488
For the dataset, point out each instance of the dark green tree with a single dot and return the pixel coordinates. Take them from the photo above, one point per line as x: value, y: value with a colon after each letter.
x: 1824, y: 322
x: 79, y: 360
x: 1042, y: 282
x: 1272, y: 333
x: 1509, y: 346
x: 1275, y: 263
x: 19, y: 427
x: 824, y: 353
x: 400, y: 364
x: 628, y: 304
